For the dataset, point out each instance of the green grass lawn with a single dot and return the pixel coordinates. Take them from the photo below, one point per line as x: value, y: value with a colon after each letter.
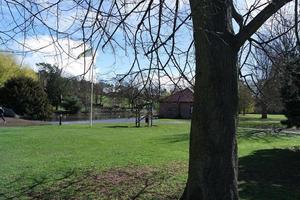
x: 112, y: 161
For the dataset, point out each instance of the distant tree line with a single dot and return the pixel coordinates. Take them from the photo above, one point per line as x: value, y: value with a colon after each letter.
x: 36, y: 95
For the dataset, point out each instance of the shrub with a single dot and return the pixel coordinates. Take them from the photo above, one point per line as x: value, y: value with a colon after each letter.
x: 72, y: 105
x: 26, y: 97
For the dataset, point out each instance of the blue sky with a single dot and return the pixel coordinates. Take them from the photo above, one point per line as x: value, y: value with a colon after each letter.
x: 108, y: 61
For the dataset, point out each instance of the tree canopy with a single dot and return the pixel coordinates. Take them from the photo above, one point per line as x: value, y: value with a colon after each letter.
x: 55, y: 85
x: 9, y: 68
x: 26, y: 97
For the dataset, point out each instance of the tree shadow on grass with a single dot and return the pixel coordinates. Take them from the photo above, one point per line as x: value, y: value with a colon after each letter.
x: 265, y: 136
x: 258, y: 135
x: 270, y: 174
x: 18, y: 189
x: 117, y: 126
x: 120, y: 183
x: 175, y: 138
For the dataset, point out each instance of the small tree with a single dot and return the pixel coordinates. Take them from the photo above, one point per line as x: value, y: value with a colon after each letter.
x: 290, y: 93
x: 71, y: 104
x: 26, y: 97
x: 81, y: 89
x: 55, y: 85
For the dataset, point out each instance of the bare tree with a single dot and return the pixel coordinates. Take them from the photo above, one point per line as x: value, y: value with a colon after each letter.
x: 265, y: 83
x: 193, y: 41
x: 273, y: 45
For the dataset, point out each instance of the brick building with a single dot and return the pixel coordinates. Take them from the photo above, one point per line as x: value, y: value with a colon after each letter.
x: 177, y: 105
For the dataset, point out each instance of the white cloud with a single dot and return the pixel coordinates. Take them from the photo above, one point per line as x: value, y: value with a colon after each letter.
x: 62, y: 52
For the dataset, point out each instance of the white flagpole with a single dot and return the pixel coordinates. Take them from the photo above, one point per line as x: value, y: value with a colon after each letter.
x: 84, y: 54
x: 92, y: 92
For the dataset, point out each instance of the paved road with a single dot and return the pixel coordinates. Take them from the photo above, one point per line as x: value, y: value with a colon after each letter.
x: 118, y: 120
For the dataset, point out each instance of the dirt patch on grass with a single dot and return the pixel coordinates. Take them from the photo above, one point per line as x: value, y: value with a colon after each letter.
x: 15, y: 122
x: 164, y: 183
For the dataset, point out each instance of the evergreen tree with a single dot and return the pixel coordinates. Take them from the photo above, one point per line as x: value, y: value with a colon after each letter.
x: 26, y: 97
x: 71, y: 104
x: 290, y: 93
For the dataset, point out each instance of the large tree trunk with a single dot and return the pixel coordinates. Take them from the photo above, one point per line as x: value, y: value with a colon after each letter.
x: 213, y: 150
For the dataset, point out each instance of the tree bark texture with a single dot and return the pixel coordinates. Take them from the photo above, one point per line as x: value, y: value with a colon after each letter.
x: 213, y: 149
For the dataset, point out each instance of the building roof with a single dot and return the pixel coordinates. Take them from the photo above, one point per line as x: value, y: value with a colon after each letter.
x: 183, y: 96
